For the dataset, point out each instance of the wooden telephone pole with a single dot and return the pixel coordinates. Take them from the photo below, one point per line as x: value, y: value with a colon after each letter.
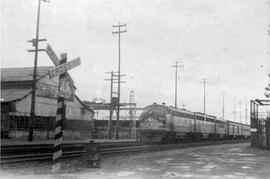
x: 34, y: 83
x: 119, y: 32
x: 176, y: 66
x: 113, y: 99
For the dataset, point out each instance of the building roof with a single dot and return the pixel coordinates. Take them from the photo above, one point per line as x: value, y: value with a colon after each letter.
x: 22, y: 73
x: 85, y: 106
x: 13, y: 94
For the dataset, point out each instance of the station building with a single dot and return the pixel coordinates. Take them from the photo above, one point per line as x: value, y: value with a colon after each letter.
x: 16, y: 93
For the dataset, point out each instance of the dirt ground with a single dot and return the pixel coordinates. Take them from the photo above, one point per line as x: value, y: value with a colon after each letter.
x: 222, y: 161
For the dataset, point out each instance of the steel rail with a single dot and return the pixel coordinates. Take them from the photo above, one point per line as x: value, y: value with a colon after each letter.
x: 104, y: 150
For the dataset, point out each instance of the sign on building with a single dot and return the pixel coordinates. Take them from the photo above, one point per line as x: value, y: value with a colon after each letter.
x: 51, y: 91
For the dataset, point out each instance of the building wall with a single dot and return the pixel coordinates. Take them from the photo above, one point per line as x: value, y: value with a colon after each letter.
x: 46, y: 102
x: 47, y: 107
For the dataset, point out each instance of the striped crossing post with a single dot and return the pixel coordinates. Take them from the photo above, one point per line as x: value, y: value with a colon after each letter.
x: 60, y: 116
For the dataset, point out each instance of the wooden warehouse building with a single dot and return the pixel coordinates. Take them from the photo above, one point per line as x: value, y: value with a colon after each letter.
x: 16, y: 92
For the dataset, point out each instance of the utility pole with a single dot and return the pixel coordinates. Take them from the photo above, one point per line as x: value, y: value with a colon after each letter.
x: 240, y: 115
x: 268, y: 48
x: 204, y: 80
x: 246, y: 111
x: 223, y: 106
x: 111, y: 103
x: 118, y: 31
x: 176, y: 66
x: 132, y: 113
x: 34, y: 83
x: 234, y: 109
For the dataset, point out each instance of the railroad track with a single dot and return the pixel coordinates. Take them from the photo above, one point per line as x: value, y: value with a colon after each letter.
x: 25, y: 153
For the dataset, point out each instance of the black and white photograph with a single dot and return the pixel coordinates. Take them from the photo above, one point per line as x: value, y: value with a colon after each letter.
x: 135, y: 89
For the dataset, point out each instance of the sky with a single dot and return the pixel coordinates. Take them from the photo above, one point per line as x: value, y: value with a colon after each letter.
x: 224, y: 41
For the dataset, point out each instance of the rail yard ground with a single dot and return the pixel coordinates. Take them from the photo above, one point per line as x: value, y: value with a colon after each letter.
x: 214, y: 161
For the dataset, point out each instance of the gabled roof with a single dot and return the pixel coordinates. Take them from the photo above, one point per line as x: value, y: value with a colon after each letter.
x: 22, y: 73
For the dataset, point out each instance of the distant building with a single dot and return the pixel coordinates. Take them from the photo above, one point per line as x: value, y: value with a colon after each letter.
x: 102, y: 111
x: 128, y: 120
x: 16, y: 93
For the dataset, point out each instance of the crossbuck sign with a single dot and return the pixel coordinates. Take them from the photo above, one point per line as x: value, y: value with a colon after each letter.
x: 64, y: 67
x: 52, y: 55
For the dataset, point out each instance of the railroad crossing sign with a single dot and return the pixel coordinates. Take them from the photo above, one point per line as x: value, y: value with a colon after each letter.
x: 52, y: 55
x: 66, y: 93
x: 62, y: 66
x: 55, y: 59
x: 58, y: 70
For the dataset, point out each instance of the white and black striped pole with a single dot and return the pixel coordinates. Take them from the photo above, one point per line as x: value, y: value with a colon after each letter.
x: 60, y: 116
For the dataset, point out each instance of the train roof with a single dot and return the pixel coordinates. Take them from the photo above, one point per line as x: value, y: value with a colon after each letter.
x: 207, y: 115
x: 181, y: 110
x: 168, y: 108
x: 237, y: 123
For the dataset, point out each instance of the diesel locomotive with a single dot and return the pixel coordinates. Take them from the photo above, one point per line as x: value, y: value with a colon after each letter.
x: 165, y: 124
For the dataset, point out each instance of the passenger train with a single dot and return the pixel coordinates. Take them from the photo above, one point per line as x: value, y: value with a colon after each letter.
x: 165, y: 124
